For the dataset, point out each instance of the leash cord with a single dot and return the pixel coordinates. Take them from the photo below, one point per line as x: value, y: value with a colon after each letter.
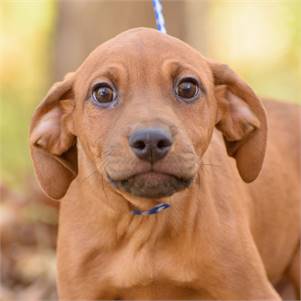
x: 159, y: 15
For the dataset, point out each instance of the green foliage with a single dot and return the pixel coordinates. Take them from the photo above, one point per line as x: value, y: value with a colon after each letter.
x: 261, y: 40
x: 26, y: 32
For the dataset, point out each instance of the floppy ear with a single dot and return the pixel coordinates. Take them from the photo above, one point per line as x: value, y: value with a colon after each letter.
x: 242, y: 120
x: 52, y: 144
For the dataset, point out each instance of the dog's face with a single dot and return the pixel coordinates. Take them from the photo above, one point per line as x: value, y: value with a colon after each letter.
x: 145, y: 113
x: 143, y: 107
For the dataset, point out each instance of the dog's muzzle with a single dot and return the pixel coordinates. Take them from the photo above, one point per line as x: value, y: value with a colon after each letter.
x: 151, y: 144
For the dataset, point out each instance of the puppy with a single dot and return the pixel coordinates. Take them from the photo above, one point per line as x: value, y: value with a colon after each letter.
x: 153, y: 152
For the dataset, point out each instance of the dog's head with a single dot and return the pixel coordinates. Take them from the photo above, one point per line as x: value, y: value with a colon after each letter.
x: 142, y: 108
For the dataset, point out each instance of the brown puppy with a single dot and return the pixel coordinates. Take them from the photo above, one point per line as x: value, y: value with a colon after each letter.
x: 146, y: 119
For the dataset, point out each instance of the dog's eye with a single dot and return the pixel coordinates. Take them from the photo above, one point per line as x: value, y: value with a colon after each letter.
x: 187, y: 89
x: 103, y: 94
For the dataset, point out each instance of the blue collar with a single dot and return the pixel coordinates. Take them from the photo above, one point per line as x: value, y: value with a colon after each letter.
x: 156, y: 209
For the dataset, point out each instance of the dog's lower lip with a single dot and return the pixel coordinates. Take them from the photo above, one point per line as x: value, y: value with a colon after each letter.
x: 151, y: 184
x: 149, y: 174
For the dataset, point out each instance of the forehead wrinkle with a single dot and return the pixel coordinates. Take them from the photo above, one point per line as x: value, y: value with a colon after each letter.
x: 137, y: 67
x: 130, y: 54
x: 116, y: 72
x: 173, y: 68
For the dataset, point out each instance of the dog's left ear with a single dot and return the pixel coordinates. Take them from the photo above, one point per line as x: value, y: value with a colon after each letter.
x: 52, y: 140
x: 242, y: 120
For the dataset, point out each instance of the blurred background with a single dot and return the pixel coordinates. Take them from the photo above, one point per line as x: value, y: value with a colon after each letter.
x: 41, y: 40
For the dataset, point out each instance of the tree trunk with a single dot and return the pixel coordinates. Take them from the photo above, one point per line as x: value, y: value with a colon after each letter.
x: 83, y: 25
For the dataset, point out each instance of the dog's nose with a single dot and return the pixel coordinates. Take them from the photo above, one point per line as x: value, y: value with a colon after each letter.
x: 150, y: 144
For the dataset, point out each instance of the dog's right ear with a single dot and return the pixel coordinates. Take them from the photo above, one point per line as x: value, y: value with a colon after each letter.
x: 242, y: 119
x: 52, y: 142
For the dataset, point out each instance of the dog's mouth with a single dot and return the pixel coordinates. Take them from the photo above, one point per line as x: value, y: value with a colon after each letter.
x: 151, y: 185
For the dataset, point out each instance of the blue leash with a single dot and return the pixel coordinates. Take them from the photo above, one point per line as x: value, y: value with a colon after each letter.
x: 161, y: 27
x: 159, y: 15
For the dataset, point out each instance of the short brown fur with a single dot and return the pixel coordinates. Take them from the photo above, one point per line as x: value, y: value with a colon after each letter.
x: 222, y: 238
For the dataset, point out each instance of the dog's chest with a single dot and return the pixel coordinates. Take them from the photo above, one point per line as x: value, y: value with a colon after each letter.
x: 148, y: 272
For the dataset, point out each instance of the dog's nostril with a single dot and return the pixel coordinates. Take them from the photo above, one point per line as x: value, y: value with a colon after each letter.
x: 139, y: 145
x: 164, y: 143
